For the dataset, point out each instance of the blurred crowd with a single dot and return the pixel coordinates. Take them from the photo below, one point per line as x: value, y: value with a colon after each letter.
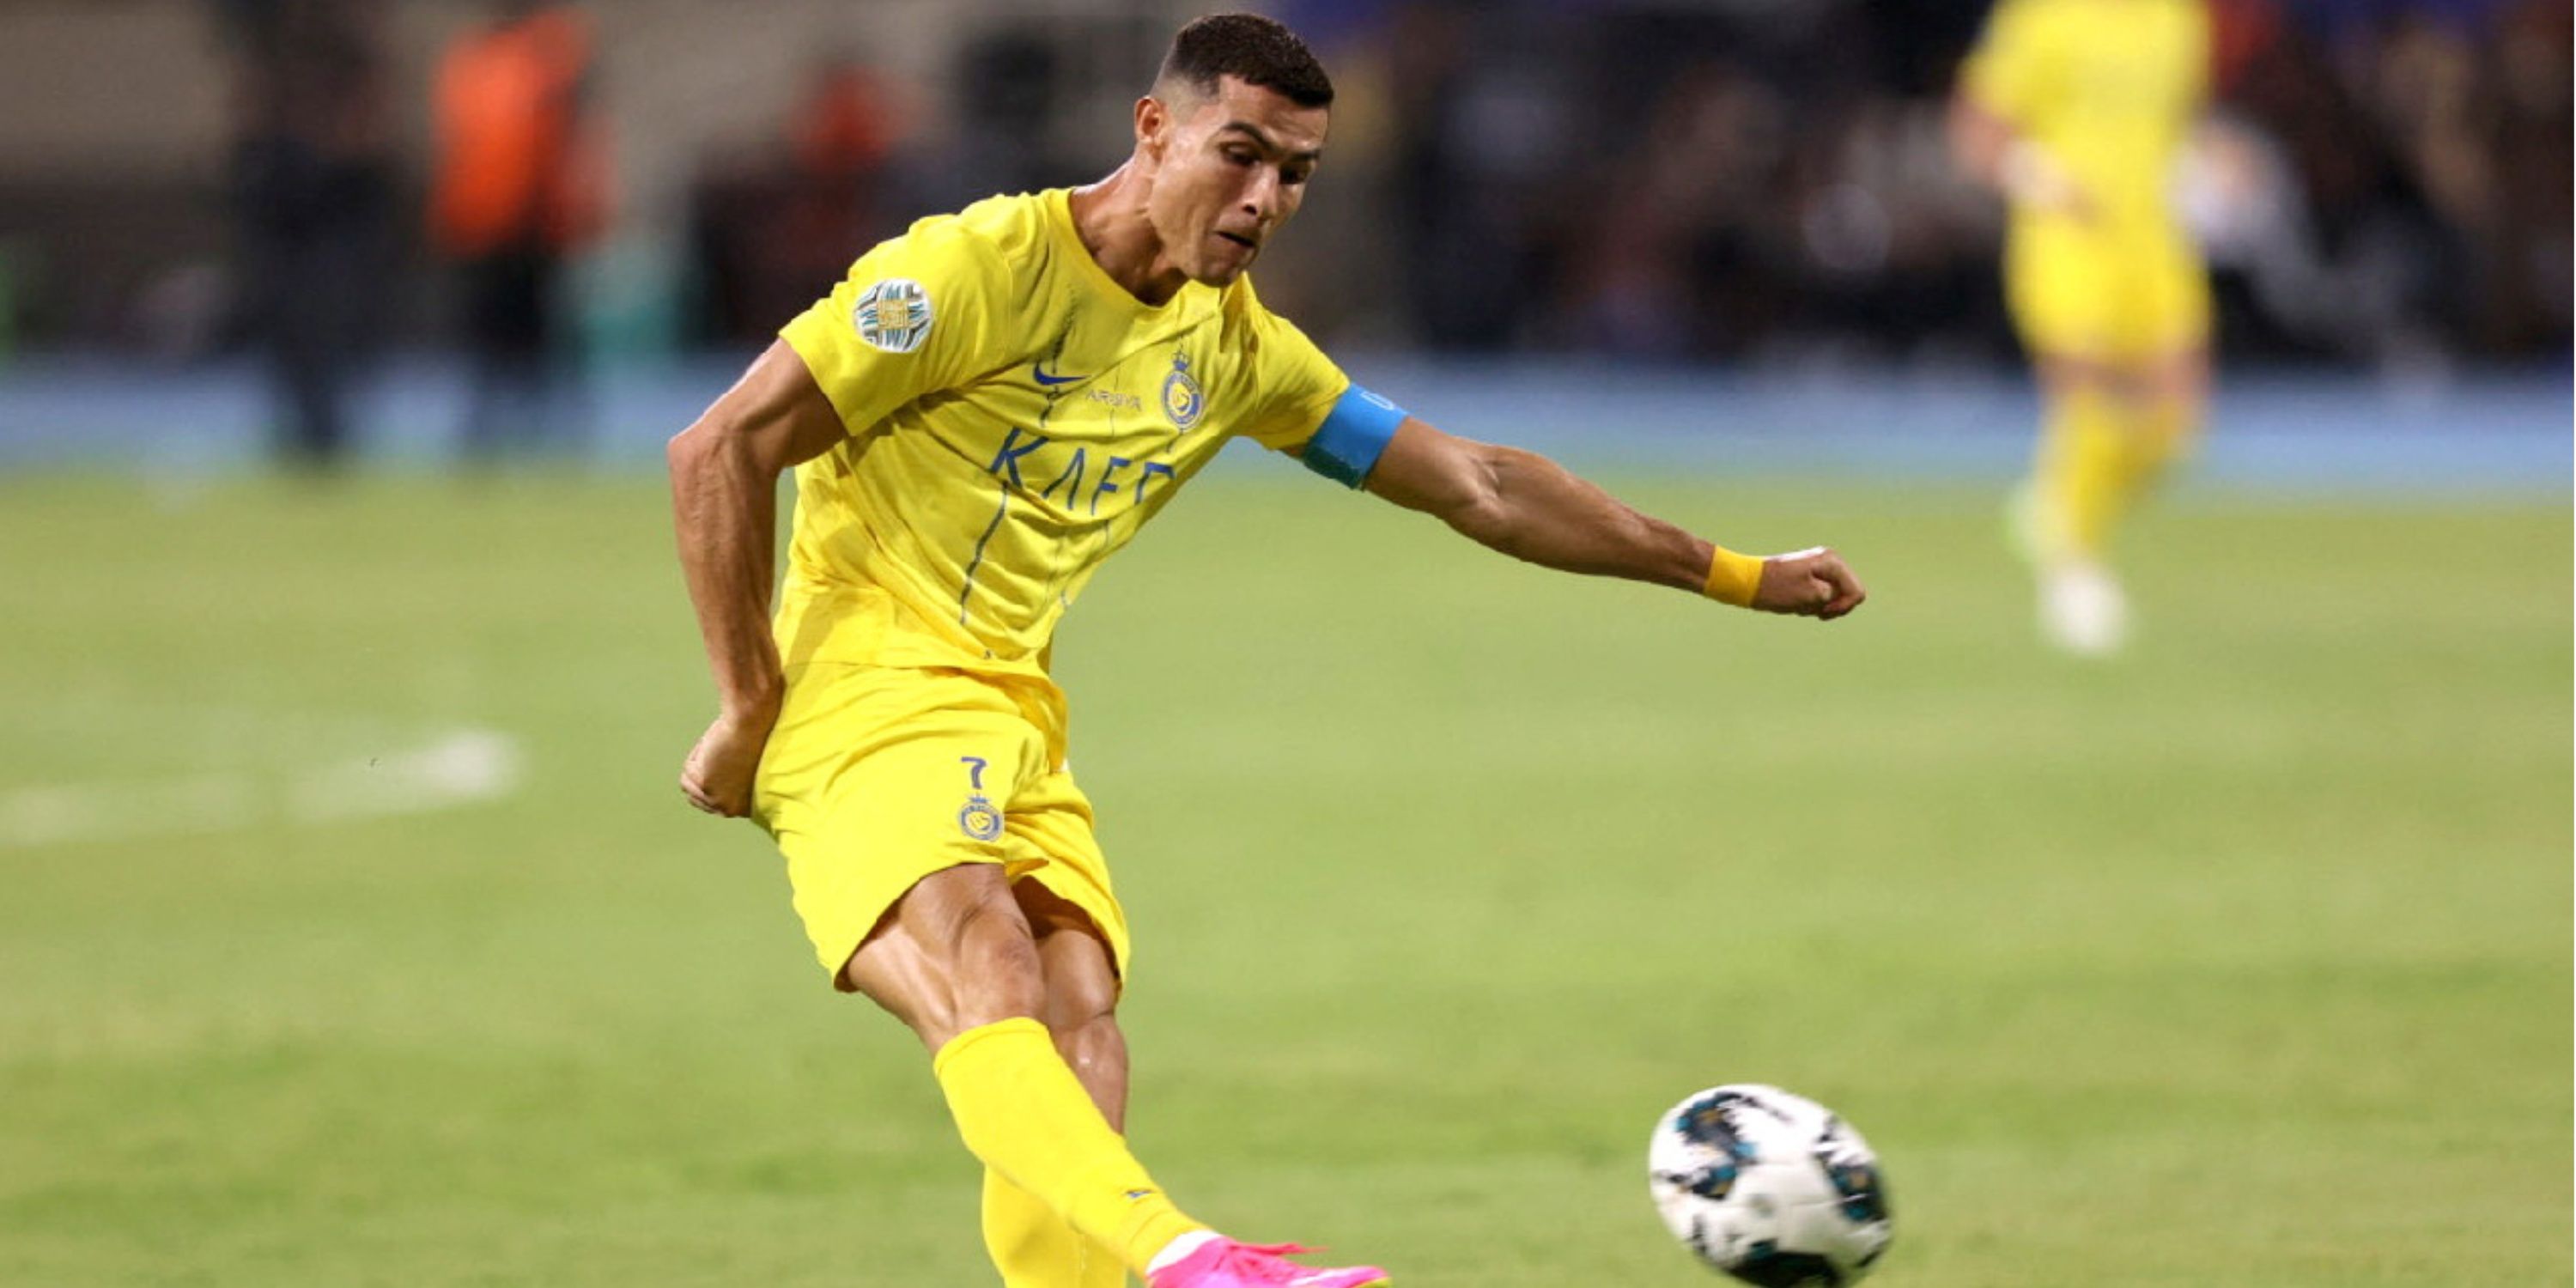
x: 2380, y: 183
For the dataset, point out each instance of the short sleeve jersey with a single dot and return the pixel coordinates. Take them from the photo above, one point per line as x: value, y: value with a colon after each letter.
x: 1014, y: 417
x: 2108, y: 90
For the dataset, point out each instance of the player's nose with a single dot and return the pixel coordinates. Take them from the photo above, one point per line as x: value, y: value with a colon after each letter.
x: 1264, y: 200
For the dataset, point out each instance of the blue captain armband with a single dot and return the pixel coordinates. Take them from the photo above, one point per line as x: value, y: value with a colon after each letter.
x: 1347, y: 444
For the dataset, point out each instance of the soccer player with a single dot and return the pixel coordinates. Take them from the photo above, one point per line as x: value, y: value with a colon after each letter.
x: 986, y: 408
x: 2076, y: 110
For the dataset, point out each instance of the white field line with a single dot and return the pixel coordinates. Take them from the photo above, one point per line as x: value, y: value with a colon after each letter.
x: 457, y: 768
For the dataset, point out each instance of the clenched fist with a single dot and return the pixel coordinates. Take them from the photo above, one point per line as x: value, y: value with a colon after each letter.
x: 717, y: 776
x: 1808, y: 583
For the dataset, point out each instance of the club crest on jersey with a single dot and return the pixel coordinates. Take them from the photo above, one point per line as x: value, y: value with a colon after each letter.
x: 1181, y: 399
x: 894, y: 315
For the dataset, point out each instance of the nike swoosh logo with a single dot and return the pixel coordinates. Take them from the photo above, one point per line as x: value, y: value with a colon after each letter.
x: 1037, y: 372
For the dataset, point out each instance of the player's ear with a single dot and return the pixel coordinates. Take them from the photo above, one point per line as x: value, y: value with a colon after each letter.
x: 1153, y: 126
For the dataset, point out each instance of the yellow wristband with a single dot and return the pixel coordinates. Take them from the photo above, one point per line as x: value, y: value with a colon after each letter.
x: 1733, y: 578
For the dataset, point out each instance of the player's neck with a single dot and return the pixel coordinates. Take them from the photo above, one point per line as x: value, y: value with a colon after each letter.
x: 1109, y: 217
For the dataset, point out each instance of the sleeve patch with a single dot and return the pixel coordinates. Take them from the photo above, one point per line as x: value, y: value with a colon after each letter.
x: 893, y: 315
x: 1347, y: 444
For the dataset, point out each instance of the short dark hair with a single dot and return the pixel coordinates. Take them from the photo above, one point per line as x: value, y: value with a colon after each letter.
x: 1258, y: 50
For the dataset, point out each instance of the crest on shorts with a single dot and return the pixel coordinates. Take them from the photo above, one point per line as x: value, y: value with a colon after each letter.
x: 978, y: 819
x: 894, y: 315
x: 1181, y: 399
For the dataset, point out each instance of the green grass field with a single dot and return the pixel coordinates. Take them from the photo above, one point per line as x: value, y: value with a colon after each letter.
x: 2244, y: 961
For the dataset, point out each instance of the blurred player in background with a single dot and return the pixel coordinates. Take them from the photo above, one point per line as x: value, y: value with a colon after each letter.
x: 984, y: 410
x: 2077, y: 111
x: 313, y: 173
x: 520, y: 184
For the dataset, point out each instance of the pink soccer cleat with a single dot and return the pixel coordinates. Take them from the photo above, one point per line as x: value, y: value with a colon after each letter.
x: 1223, y: 1263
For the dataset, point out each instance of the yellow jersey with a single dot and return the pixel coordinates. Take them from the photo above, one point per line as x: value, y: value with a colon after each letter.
x: 1015, y: 416
x: 2108, y: 89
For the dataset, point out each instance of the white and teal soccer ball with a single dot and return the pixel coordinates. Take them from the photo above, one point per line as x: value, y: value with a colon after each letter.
x: 1771, y: 1188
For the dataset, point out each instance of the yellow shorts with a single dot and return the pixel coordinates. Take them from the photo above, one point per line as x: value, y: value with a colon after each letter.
x: 2112, y: 296
x: 878, y: 776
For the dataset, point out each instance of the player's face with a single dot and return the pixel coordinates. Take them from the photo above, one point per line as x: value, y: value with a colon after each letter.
x: 1229, y: 170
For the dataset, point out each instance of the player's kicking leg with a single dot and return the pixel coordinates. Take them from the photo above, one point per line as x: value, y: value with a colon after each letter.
x: 1031, y: 1245
x: 959, y: 962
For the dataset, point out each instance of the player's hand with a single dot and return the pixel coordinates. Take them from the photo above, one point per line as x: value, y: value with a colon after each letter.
x: 2031, y: 177
x: 1808, y: 583
x: 2076, y: 203
x: 717, y: 776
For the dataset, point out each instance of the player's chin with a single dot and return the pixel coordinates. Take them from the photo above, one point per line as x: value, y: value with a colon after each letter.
x: 1225, y: 260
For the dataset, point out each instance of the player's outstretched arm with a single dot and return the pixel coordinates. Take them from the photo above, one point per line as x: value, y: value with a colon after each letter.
x: 1532, y: 508
x: 724, y: 490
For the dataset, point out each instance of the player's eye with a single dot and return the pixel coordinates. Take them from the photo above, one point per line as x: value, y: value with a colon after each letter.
x: 1240, y: 156
x: 1295, y: 174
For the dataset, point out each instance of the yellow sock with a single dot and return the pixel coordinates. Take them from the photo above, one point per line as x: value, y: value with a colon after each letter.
x: 1034, y: 1248
x: 1021, y: 1110
x: 2095, y: 460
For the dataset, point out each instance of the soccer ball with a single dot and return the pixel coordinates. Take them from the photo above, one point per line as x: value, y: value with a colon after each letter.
x: 1771, y: 1188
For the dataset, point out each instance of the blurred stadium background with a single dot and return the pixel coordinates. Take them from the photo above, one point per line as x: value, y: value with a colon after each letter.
x: 350, y: 931
x: 1755, y: 189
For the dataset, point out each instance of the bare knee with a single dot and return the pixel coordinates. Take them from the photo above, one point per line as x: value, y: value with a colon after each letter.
x: 954, y: 954
x: 2163, y: 390
x: 999, y: 974
x: 2063, y: 376
x: 2179, y: 384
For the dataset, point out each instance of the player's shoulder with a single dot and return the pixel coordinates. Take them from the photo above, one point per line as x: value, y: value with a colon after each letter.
x: 1011, y: 227
x: 998, y: 251
x: 979, y: 241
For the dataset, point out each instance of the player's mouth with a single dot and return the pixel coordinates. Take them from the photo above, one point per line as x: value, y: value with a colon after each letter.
x: 1248, y: 245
